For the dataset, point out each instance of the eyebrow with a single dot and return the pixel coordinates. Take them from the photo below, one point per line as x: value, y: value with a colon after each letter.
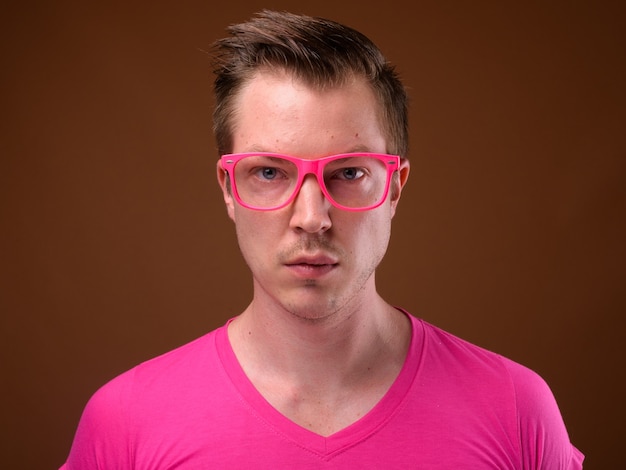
x: 361, y: 148
x: 256, y: 148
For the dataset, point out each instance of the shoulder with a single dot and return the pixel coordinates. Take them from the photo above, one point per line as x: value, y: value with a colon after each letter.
x: 542, y: 431
x: 526, y: 388
x: 154, y: 375
x: 172, y: 372
x: 532, y: 407
x: 139, y: 399
x: 533, y: 399
x: 461, y: 354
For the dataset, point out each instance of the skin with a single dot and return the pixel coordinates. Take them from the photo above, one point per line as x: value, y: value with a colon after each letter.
x: 317, y: 340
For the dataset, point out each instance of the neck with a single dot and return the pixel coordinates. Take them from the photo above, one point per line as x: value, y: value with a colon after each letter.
x: 327, y: 372
x: 296, y: 346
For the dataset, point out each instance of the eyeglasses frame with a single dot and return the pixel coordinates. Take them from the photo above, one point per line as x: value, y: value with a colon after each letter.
x: 310, y: 167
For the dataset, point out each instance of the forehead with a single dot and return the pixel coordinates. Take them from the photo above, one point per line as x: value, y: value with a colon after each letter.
x: 281, y: 84
x: 277, y: 112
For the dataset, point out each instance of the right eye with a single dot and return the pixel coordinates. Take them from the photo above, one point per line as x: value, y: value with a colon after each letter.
x: 267, y: 173
x: 350, y: 173
x: 267, y: 169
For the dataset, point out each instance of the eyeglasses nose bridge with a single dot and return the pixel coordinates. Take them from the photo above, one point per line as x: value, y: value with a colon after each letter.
x: 310, y: 167
x: 306, y: 167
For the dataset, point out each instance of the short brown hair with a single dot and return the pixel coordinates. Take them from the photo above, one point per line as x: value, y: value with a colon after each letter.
x: 316, y: 50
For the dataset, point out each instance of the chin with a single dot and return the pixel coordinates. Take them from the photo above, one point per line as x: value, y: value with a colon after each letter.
x: 315, y: 311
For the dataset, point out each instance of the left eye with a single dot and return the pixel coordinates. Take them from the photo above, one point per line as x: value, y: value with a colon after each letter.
x: 268, y: 173
x: 351, y: 173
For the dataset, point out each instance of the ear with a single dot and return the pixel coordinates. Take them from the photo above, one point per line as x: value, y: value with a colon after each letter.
x: 224, y: 181
x: 398, y: 182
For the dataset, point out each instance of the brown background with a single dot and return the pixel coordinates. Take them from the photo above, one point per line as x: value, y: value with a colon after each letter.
x: 115, y: 246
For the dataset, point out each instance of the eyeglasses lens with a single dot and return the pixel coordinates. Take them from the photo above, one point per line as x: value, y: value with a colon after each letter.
x: 270, y: 181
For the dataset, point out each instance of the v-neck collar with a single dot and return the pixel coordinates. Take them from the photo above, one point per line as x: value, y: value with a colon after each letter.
x: 351, y: 435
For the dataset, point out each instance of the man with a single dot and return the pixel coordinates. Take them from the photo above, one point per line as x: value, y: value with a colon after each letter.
x: 319, y: 371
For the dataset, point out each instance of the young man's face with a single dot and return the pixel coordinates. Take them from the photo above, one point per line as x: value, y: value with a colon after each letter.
x: 310, y: 258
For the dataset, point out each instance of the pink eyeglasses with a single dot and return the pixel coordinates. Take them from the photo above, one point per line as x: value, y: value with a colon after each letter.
x: 351, y: 181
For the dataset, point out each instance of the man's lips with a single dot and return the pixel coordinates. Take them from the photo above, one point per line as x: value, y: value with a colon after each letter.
x: 312, y: 261
x: 314, y: 266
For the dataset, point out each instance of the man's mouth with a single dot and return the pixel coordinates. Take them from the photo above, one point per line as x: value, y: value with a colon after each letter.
x: 313, y: 266
x: 320, y: 260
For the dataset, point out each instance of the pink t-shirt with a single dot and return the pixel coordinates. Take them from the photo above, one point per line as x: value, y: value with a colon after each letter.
x: 453, y: 406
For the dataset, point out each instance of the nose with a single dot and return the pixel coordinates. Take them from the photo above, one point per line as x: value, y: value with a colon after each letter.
x: 310, y: 208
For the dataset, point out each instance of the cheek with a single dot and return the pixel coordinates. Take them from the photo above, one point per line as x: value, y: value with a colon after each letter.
x: 369, y: 236
x: 256, y: 233
x: 381, y: 233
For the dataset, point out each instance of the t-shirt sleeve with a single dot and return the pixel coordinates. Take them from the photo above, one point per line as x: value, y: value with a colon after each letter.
x: 102, y: 437
x: 544, y: 440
